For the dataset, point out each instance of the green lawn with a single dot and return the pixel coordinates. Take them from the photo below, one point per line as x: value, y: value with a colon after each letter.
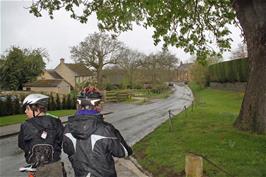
x: 14, y: 119
x: 206, y: 130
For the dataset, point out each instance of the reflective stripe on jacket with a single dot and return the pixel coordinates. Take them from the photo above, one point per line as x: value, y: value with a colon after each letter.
x: 91, y: 143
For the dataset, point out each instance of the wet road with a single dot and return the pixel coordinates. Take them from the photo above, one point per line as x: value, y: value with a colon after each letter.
x: 133, y: 121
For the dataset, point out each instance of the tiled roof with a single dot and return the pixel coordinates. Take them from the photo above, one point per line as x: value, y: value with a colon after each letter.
x: 79, y: 69
x: 54, y: 74
x: 44, y: 83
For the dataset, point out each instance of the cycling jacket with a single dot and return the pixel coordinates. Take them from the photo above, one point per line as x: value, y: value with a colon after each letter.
x: 91, y: 143
x: 40, y: 135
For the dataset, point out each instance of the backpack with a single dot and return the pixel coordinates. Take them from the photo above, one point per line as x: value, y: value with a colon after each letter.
x: 41, y: 146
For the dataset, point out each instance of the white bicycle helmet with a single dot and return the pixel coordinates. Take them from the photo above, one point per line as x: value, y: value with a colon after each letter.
x: 38, y: 99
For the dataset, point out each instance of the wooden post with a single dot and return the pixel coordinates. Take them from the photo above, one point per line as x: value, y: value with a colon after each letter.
x: 104, y: 96
x: 185, y: 109
x: 170, y: 120
x: 194, y: 166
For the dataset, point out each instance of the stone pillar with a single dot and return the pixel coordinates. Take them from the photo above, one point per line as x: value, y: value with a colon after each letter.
x: 194, y: 166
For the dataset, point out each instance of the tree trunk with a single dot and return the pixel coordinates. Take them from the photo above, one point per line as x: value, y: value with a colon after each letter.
x: 100, y: 71
x: 252, y: 17
x: 99, y: 78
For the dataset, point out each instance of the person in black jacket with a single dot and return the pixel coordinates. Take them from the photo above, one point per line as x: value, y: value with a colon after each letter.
x: 90, y: 142
x: 41, y: 136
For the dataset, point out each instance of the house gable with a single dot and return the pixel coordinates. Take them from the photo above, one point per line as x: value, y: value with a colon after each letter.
x: 66, y: 73
x: 74, y: 73
x: 49, y: 74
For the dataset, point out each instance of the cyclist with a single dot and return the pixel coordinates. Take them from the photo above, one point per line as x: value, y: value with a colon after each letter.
x: 90, y: 142
x: 40, y: 137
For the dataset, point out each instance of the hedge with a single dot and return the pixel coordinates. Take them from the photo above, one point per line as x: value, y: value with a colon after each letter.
x: 229, y: 71
x: 11, y: 105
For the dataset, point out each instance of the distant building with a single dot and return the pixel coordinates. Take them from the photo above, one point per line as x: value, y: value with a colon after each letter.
x: 62, y: 79
x: 184, y: 72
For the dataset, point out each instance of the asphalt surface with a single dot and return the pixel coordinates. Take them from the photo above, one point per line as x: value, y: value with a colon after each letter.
x: 133, y: 121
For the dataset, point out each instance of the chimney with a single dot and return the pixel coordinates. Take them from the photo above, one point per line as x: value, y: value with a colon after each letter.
x: 62, y: 60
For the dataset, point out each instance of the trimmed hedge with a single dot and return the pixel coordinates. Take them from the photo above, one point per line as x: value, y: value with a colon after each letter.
x: 229, y: 71
x: 12, y: 104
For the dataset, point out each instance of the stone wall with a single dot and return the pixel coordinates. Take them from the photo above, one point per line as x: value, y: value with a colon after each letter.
x: 236, y: 86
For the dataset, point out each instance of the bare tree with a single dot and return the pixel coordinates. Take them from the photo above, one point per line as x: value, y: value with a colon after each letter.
x: 129, y: 61
x: 157, y: 67
x: 168, y: 62
x: 96, y: 51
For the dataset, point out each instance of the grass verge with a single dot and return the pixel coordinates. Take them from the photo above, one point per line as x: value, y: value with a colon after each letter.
x: 14, y: 119
x: 206, y: 130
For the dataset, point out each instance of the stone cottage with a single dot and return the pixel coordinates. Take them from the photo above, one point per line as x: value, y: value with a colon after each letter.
x: 64, y: 78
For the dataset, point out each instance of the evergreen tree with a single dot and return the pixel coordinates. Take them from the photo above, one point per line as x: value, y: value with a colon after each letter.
x: 69, y: 102
x: 64, y: 103
x: 74, y: 100
x: 58, y: 102
x: 51, y: 105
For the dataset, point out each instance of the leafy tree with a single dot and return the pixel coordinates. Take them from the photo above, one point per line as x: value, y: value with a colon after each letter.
x: 96, y: 51
x: 188, y: 24
x: 11, y: 69
x: 20, y: 66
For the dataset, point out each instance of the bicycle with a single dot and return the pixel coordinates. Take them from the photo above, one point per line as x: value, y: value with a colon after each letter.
x: 30, y: 169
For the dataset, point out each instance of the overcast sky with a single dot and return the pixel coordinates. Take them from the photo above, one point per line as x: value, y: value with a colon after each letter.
x: 20, y: 28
